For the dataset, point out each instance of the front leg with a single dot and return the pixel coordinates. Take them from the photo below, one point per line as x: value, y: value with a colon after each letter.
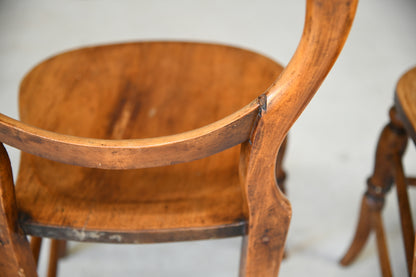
x: 268, y: 212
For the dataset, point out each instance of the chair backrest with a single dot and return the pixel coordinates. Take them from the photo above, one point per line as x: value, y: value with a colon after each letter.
x: 326, y: 27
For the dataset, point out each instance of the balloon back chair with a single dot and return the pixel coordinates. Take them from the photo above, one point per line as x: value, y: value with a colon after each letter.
x: 160, y: 141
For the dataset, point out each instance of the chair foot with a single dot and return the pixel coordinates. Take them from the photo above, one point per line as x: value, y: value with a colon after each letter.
x: 361, y: 234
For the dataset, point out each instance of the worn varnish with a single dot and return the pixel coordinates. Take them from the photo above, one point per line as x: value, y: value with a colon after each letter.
x: 388, y: 170
x: 139, y: 142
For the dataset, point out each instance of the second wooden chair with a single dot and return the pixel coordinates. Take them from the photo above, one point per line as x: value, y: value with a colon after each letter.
x: 388, y: 170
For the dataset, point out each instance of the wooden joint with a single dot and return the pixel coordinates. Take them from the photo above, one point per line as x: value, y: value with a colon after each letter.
x: 262, y: 100
x: 262, y: 108
x: 377, y: 190
x: 375, y: 202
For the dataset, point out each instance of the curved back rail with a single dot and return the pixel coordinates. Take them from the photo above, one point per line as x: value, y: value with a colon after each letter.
x: 326, y: 28
x: 130, y: 153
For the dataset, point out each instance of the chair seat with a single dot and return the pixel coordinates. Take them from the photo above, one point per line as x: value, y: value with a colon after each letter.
x: 196, y: 200
x: 137, y: 90
x: 405, y: 98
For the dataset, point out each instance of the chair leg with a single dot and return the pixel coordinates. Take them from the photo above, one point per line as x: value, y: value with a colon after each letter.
x: 62, y: 248
x: 263, y: 248
x: 370, y: 220
x: 35, y: 245
x: 414, y: 260
x: 383, y: 253
x: 268, y: 212
x: 405, y: 214
x: 392, y: 143
x: 16, y: 258
x: 281, y: 173
x: 57, y: 251
x: 361, y: 234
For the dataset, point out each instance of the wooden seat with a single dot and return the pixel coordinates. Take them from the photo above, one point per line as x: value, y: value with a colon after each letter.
x: 160, y: 141
x: 204, y: 195
x: 388, y: 170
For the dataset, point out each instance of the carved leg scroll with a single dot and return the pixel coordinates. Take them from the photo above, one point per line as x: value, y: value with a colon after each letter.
x: 15, y: 255
x: 391, y: 145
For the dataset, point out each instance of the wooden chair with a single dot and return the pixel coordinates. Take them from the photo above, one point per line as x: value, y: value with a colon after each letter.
x: 388, y: 170
x: 139, y: 143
